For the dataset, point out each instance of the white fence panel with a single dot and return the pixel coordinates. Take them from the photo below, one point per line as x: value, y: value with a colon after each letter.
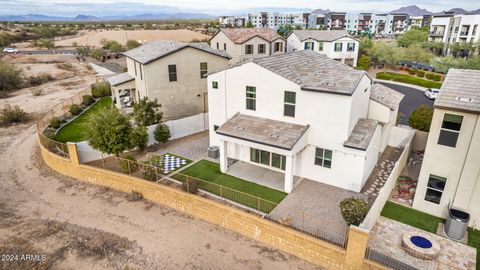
x: 86, y: 153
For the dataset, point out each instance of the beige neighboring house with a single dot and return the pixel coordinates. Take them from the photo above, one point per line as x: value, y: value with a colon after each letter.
x: 450, y: 174
x: 247, y: 43
x: 335, y: 44
x: 175, y: 73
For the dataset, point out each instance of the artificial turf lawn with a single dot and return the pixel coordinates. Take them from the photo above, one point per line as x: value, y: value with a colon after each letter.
x: 411, y: 217
x: 474, y: 241
x: 210, y: 171
x: 73, y: 131
x: 410, y: 79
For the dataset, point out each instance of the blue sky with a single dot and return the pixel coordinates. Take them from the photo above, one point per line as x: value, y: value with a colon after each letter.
x: 214, y: 7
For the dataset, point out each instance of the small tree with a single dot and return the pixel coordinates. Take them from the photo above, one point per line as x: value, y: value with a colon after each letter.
x: 145, y: 112
x: 249, y: 25
x: 353, y: 210
x: 161, y: 133
x: 364, y: 62
x: 421, y: 118
x: 132, y: 44
x: 97, y: 53
x: 139, y: 137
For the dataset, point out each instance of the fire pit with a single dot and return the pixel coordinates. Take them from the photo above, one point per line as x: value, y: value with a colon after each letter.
x: 420, y: 245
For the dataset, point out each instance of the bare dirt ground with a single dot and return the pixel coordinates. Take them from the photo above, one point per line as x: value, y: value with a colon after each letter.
x: 73, y: 225
x: 93, y: 38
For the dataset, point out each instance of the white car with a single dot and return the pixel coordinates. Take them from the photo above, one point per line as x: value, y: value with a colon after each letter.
x: 432, y: 93
x: 10, y: 50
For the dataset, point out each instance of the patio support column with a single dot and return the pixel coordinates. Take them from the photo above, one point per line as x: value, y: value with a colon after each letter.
x: 288, y: 174
x: 223, y: 156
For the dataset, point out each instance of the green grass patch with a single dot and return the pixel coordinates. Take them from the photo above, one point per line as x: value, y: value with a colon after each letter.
x: 210, y: 172
x: 74, y: 131
x: 474, y: 241
x: 411, y: 217
x: 405, y: 78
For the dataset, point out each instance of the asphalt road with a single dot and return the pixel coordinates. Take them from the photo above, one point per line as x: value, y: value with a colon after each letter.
x: 413, y: 98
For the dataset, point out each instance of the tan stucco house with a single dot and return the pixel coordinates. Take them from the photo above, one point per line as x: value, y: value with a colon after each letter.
x: 450, y: 173
x: 248, y: 43
x: 175, y: 73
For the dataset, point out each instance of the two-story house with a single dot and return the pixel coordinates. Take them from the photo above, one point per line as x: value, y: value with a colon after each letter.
x: 246, y: 43
x: 335, y: 44
x: 301, y: 114
x: 450, y: 173
x: 175, y: 73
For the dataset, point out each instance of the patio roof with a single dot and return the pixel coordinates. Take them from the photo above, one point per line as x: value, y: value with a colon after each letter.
x: 263, y: 131
x: 361, y: 134
x: 120, y: 78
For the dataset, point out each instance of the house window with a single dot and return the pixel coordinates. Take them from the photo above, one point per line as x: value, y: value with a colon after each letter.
x: 323, y: 157
x: 267, y: 158
x: 450, y: 130
x: 249, y: 49
x: 141, y: 73
x: 203, y: 70
x: 224, y: 46
x: 214, y: 85
x: 308, y: 46
x: 135, y: 66
x: 251, y: 98
x: 350, y: 47
x: 289, y: 104
x: 435, y: 187
x: 261, y: 48
x: 172, y: 73
x: 218, y: 45
x: 338, y: 47
x: 277, y: 47
x: 320, y: 46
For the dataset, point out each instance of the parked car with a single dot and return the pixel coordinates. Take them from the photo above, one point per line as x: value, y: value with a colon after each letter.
x: 417, y: 65
x: 432, y: 93
x: 10, y: 50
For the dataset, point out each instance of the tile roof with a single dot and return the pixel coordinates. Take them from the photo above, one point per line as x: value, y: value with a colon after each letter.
x: 386, y: 96
x: 321, y: 35
x: 240, y: 35
x: 313, y: 71
x: 153, y: 50
x: 460, y: 90
x: 361, y: 134
x: 262, y: 130
x: 120, y: 78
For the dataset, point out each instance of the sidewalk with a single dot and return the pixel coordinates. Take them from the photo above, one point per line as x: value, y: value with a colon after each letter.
x: 420, y: 88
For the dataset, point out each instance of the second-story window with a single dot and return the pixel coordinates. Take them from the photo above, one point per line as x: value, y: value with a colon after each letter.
x: 249, y: 49
x: 350, y: 47
x: 203, y: 70
x: 289, y: 104
x: 218, y: 45
x: 224, y: 46
x: 450, y: 130
x: 320, y: 46
x: 308, y: 46
x: 278, y: 47
x: 338, y: 47
x: 172, y: 73
x: 251, y: 95
x: 261, y: 48
x: 214, y: 85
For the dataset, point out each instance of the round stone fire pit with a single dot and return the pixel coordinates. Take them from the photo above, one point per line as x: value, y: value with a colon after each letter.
x: 420, y: 245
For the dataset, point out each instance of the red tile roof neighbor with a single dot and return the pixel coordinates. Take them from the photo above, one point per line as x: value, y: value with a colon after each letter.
x: 240, y: 35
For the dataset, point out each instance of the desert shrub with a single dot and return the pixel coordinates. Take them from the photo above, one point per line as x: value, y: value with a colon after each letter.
x: 149, y: 167
x: 420, y: 73
x: 131, y: 44
x: 190, y: 185
x: 10, y: 115
x: 412, y: 71
x: 437, y: 77
x: 87, y: 100
x: 101, y: 89
x: 65, y: 66
x: 429, y: 76
x: 55, y: 122
x: 75, y: 109
x: 128, y: 164
x: 134, y: 196
x: 161, y: 133
x: 353, y: 210
x: 38, y: 80
x: 50, y: 134
x: 421, y: 118
x: 10, y: 77
x: 36, y: 92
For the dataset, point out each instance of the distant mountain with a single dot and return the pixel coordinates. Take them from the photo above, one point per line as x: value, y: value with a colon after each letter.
x: 31, y: 17
x: 320, y: 11
x: 412, y: 10
x: 86, y: 18
x: 458, y: 11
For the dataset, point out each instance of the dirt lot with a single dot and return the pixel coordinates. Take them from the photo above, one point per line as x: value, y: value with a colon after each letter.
x: 93, y: 38
x: 64, y: 224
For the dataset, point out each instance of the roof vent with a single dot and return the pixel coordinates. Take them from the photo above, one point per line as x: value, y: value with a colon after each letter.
x: 464, y: 99
x: 239, y: 128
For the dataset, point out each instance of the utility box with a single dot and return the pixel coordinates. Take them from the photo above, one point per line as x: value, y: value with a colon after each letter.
x: 456, y: 224
x: 213, y: 152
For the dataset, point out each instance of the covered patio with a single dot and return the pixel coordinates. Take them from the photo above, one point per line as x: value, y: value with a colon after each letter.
x: 123, y: 90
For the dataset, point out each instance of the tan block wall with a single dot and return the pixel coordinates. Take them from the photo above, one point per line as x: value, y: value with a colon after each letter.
x: 280, y: 237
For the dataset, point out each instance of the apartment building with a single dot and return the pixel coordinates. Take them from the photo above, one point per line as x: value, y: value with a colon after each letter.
x: 335, y: 20
x: 335, y: 44
x: 231, y: 21
x: 175, y: 73
x: 419, y: 21
x: 245, y: 43
x: 276, y: 20
x: 276, y: 112
x: 359, y: 23
x: 450, y: 173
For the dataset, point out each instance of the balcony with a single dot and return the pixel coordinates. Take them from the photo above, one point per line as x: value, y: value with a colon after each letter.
x: 464, y: 33
x: 437, y: 33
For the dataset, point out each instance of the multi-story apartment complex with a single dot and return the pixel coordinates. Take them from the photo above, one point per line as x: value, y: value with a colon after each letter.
x: 276, y: 112
x: 419, y: 21
x: 175, y: 73
x: 245, y: 43
x: 450, y: 173
x: 335, y: 44
x: 357, y: 23
x: 231, y: 21
x: 335, y: 20
x: 276, y: 20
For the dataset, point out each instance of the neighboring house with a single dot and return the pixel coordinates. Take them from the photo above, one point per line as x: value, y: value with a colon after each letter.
x: 302, y: 114
x: 245, y: 43
x: 450, y: 173
x: 335, y: 44
x: 175, y: 73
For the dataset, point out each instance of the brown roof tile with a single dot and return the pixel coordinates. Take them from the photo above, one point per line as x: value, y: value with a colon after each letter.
x: 241, y: 35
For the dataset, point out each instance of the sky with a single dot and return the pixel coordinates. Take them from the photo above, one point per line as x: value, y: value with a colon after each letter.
x: 215, y: 7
